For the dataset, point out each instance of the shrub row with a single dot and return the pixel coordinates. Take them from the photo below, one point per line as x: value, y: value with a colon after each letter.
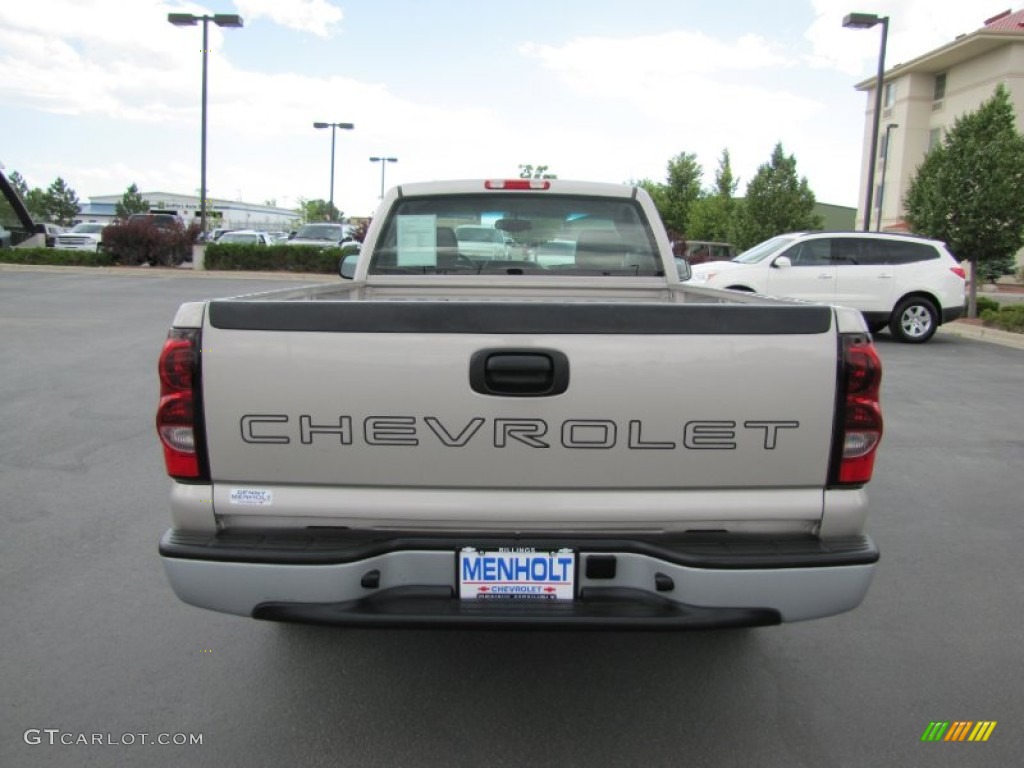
x: 230, y: 256
x: 275, y: 258
x: 1008, y: 318
x: 56, y: 257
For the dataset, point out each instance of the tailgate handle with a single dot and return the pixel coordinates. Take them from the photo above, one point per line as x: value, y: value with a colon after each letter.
x: 519, y: 372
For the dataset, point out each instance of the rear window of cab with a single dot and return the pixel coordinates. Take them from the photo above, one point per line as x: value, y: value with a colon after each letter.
x: 608, y: 236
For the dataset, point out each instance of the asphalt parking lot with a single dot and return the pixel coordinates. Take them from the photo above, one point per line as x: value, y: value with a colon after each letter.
x: 92, y: 641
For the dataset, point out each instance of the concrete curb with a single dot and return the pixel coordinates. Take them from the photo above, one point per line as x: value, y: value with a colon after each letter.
x: 981, y: 333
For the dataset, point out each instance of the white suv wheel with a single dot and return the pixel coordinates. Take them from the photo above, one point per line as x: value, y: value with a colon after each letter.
x: 914, y: 320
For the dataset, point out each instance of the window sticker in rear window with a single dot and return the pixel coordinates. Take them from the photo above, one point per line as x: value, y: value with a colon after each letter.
x: 417, y: 241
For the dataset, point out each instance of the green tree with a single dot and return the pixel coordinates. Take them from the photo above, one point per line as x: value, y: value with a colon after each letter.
x: 317, y: 210
x: 712, y: 217
x: 681, y: 191
x: 777, y: 201
x: 969, y: 191
x: 60, y: 203
x: 20, y: 185
x: 37, y: 204
x: 131, y: 202
x: 535, y: 172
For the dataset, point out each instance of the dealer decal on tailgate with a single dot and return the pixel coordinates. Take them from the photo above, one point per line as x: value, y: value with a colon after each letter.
x: 516, y: 574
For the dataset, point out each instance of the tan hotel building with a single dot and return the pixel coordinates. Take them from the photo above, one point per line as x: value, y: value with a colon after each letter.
x: 922, y: 98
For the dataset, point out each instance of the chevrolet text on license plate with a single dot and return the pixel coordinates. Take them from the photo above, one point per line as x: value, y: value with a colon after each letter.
x: 516, y: 574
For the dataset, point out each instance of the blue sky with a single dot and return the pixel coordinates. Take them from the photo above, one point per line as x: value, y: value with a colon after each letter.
x: 106, y: 92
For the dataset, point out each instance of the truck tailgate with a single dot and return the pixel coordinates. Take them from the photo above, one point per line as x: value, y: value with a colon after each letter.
x: 659, y: 400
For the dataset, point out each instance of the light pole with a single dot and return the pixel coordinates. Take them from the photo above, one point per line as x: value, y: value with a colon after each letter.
x: 866, y: 21
x: 383, y: 164
x: 333, y: 127
x: 885, y: 163
x: 188, y: 20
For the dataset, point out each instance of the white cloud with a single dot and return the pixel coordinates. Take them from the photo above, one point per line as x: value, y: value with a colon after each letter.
x: 115, y: 177
x: 680, y: 80
x: 56, y: 58
x: 613, y: 64
x: 315, y: 16
x: 681, y: 91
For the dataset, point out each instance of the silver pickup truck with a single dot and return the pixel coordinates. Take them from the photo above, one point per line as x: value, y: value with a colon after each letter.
x: 519, y: 438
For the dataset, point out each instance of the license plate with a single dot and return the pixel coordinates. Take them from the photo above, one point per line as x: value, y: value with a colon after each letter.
x: 517, y: 574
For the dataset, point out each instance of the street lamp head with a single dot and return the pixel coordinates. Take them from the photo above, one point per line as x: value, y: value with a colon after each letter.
x: 861, y: 20
x: 227, y: 20
x: 321, y: 125
x: 182, y: 19
x: 344, y: 126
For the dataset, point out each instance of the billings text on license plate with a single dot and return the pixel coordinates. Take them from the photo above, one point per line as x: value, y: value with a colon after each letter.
x: 516, y: 574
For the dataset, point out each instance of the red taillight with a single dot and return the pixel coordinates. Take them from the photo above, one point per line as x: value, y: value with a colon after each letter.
x: 516, y: 184
x: 959, y: 272
x: 176, y: 365
x: 862, y: 415
x: 176, y: 415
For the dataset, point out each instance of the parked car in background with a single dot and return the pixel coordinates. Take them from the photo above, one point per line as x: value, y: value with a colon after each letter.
x: 245, y: 237
x: 324, y: 234
x: 86, y: 236
x: 908, y: 283
x: 700, y: 251
x: 278, y: 236
x: 51, y: 231
x: 167, y: 221
x: 480, y: 242
x: 215, y: 234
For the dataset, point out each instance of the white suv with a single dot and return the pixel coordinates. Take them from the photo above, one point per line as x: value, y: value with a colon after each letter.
x: 905, y: 282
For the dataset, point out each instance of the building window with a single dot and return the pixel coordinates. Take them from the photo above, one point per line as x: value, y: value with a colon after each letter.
x: 940, y: 87
x: 889, y: 95
x: 934, y: 138
x: 883, y: 145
